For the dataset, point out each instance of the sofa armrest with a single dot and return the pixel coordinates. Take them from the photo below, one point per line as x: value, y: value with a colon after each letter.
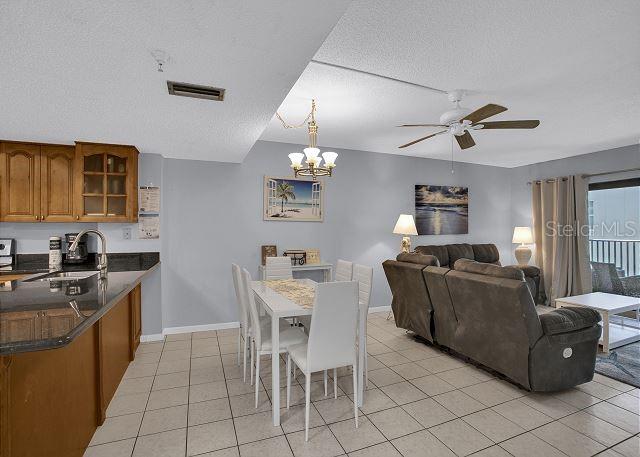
x: 529, y: 271
x: 631, y: 285
x: 570, y: 319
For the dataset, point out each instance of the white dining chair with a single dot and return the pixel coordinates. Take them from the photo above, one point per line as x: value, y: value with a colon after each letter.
x: 244, y: 332
x: 344, y: 270
x: 278, y: 268
x: 243, y: 329
x: 364, y: 276
x: 261, y: 334
x: 331, y: 342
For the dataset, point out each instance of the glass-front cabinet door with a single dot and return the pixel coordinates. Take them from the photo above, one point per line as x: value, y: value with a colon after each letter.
x: 107, y: 181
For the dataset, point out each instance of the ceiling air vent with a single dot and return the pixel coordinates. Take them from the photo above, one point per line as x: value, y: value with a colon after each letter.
x: 195, y: 91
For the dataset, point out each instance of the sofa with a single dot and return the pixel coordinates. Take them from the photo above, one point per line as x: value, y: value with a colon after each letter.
x: 487, y: 313
x: 448, y: 254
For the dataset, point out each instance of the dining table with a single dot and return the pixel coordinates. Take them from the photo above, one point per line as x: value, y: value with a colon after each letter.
x: 278, y: 306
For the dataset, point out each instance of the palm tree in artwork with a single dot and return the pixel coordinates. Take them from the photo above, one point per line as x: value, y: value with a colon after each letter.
x: 284, y: 191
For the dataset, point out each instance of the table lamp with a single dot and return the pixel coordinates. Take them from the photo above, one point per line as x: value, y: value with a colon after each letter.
x: 523, y: 236
x: 405, y: 226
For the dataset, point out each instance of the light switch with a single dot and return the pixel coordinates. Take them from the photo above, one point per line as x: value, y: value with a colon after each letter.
x: 126, y: 233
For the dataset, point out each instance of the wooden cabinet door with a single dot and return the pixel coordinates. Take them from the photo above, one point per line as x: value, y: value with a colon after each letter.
x: 57, y: 323
x: 106, y: 182
x: 56, y: 183
x: 135, y: 298
x: 20, y: 177
x: 20, y: 326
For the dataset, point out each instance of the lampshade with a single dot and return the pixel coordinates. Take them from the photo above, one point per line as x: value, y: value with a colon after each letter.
x: 522, y: 235
x: 405, y: 225
x: 329, y: 158
x: 296, y: 159
x: 311, y: 153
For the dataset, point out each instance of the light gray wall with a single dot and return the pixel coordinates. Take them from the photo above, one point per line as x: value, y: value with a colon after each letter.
x: 214, y: 217
x: 597, y: 162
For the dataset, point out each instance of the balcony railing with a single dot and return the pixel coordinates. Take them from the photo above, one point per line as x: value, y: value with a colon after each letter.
x: 625, y: 254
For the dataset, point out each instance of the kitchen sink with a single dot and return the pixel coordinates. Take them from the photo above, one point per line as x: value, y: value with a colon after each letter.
x: 63, y: 276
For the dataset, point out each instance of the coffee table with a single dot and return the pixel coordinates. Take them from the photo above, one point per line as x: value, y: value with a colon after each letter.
x: 613, y: 334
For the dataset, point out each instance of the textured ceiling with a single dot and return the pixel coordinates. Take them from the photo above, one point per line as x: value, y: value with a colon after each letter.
x: 83, y: 70
x: 575, y: 65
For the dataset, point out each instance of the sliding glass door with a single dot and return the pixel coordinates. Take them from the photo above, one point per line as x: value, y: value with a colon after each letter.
x: 614, y: 235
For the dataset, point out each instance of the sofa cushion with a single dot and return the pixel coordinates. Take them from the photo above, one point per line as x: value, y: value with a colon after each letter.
x: 440, y: 252
x: 417, y: 257
x: 568, y: 319
x: 487, y: 269
x: 486, y: 253
x: 459, y: 251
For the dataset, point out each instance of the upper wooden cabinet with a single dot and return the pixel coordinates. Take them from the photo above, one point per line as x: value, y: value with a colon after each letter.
x: 20, y: 189
x: 56, y: 183
x: 107, y: 181
x: 88, y: 182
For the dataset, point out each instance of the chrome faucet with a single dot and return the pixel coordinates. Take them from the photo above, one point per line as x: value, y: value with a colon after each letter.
x: 102, y: 265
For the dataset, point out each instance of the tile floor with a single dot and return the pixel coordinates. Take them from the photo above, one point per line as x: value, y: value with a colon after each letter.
x: 185, y: 397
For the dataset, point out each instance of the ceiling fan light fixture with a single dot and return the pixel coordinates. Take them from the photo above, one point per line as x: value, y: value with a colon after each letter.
x: 454, y: 115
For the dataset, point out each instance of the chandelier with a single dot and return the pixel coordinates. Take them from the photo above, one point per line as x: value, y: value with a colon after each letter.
x: 313, y: 164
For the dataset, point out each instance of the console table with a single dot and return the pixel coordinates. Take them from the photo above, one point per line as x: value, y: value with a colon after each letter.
x: 614, y: 334
x: 327, y: 268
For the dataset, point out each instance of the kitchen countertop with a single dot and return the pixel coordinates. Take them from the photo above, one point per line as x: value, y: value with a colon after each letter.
x: 92, y: 297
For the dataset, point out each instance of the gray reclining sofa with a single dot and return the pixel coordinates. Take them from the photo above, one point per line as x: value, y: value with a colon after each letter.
x: 487, y: 313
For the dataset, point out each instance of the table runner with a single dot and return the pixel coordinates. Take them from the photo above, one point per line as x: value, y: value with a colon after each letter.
x: 298, y: 293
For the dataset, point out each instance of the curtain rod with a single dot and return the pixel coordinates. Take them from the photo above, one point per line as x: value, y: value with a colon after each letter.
x: 588, y: 175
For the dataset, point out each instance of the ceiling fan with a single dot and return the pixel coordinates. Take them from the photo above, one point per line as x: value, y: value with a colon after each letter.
x: 460, y: 121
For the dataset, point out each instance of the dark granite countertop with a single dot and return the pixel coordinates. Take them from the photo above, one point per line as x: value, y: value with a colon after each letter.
x: 39, y: 314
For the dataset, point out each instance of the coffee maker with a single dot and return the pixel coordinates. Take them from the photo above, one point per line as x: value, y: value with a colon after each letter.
x: 78, y: 255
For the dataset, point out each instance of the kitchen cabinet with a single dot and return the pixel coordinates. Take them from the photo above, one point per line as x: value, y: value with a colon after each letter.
x: 36, y: 325
x: 20, y: 189
x: 58, y: 322
x: 56, y: 183
x: 20, y: 326
x: 136, y: 317
x: 88, y: 182
x: 52, y: 401
x: 107, y: 182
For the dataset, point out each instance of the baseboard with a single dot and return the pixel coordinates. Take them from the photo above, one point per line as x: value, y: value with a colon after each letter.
x: 221, y: 326
x: 199, y: 328
x: 150, y: 338
x: 379, y: 309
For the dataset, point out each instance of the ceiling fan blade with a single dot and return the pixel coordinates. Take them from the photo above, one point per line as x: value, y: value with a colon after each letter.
x: 529, y: 124
x: 485, y: 112
x: 421, y: 125
x: 465, y: 141
x: 420, y: 139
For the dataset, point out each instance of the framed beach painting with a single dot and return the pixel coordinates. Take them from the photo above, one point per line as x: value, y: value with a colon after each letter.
x: 442, y: 210
x: 293, y: 199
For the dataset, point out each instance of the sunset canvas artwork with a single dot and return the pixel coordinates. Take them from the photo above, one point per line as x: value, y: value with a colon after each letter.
x: 441, y: 210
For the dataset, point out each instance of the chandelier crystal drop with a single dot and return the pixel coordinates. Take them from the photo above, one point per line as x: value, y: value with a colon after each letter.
x: 312, y: 166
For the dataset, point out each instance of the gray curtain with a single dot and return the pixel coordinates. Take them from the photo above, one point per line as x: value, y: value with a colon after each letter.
x: 561, y: 235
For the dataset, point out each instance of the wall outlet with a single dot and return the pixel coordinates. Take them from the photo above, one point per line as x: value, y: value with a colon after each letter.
x: 126, y: 233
